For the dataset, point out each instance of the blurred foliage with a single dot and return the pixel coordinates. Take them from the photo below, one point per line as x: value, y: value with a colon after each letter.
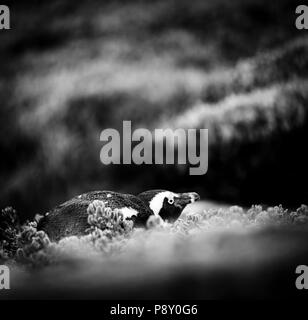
x: 69, y: 70
x: 111, y: 235
x: 9, y: 229
x: 105, y: 225
x: 243, y: 245
x: 31, y: 246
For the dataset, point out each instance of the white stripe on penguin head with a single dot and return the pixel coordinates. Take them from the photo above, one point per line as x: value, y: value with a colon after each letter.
x: 157, y: 202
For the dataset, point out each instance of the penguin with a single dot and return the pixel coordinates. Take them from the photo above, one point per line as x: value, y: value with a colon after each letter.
x: 71, y: 219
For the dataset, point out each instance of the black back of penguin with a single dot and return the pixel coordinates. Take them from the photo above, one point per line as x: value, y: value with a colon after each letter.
x: 71, y: 217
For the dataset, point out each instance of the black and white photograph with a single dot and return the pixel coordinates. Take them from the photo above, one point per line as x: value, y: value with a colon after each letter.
x: 153, y: 150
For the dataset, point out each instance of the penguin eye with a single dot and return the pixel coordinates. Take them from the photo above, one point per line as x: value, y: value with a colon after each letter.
x: 170, y: 201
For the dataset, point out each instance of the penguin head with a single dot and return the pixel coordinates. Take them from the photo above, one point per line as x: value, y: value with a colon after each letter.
x: 166, y: 204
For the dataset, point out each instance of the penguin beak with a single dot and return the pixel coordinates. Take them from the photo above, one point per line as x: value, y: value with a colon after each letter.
x: 185, y: 199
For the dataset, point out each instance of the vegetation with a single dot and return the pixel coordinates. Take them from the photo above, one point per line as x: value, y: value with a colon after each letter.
x: 112, y: 257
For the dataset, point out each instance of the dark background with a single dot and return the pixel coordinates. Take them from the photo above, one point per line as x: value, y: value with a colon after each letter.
x: 70, y: 69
